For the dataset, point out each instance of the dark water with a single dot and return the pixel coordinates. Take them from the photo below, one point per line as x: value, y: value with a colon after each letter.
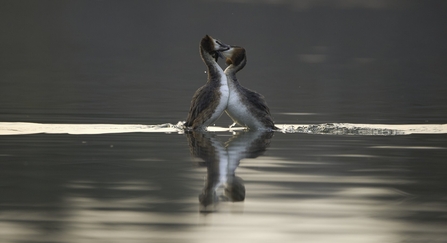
x: 137, y: 62
x: 146, y: 187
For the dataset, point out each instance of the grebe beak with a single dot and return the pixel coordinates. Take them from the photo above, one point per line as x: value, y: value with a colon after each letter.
x: 219, y: 48
x: 222, y: 46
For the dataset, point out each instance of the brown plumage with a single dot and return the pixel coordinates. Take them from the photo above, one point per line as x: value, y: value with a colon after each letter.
x: 246, y: 107
x: 210, y: 100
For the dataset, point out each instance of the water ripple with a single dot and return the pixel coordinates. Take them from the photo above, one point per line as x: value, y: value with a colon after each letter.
x: 21, y: 128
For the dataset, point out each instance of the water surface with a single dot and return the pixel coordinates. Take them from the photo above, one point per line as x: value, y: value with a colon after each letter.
x: 143, y: 187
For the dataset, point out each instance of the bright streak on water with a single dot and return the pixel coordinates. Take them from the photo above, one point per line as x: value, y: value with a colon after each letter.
x: 21, y: 128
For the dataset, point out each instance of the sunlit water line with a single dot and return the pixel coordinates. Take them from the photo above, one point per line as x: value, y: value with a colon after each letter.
x: 22, y: 128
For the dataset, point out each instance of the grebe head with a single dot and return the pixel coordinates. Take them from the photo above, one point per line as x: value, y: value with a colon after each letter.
x: 235, y: 56
x: 213, y: 46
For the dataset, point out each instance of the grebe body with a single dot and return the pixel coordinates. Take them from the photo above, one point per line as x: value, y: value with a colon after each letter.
x: 210, y: 100
x: 245, y: 107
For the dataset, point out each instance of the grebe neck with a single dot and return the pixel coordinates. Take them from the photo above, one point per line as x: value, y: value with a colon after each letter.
x: 236, y: 60
x: 232, y: 69
x: 214, y: 71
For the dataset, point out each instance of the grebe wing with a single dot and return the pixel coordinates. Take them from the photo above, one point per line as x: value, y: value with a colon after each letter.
x: 200, y: 109
x: 261, y: 109
x: 257, y: 100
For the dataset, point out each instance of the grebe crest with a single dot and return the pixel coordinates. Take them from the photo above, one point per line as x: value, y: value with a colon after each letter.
x: 245, y: 107
x: 235, y: 56
x: 210, y: 100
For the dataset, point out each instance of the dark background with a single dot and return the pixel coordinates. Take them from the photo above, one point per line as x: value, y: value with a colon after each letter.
x: 138, y: 61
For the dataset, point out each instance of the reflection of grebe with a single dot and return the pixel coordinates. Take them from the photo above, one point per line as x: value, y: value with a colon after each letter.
x: 210, y: 100
x: 246, y: 107
x: 222, y: 160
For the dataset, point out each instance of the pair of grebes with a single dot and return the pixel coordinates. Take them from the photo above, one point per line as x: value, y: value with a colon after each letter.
x: 223, y: 93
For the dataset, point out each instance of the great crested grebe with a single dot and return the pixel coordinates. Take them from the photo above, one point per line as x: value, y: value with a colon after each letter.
x: 210, y: 100
x: 245, y: 107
